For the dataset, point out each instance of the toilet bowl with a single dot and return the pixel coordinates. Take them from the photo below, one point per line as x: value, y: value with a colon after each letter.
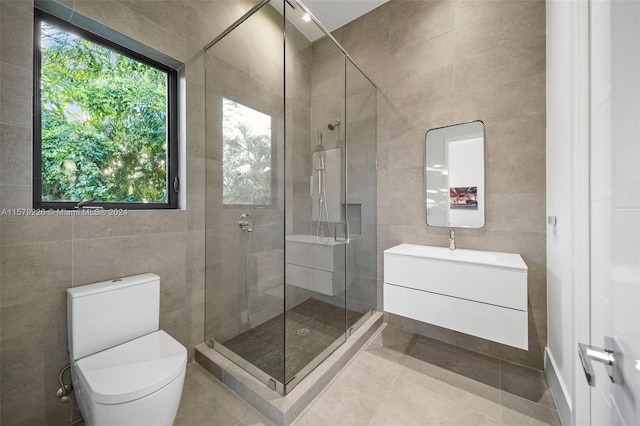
x: 125, y: 370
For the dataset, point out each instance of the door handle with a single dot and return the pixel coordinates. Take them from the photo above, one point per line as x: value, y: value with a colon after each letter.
x: 589, y: 353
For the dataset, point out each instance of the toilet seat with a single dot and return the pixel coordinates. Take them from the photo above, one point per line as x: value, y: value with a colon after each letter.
x: 133, y: 369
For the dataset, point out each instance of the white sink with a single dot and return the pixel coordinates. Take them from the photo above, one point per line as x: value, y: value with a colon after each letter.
x: 480, y: 293
x: 489, y: 258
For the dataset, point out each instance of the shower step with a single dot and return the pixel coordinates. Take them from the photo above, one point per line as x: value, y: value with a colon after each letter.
x: 282, y: 410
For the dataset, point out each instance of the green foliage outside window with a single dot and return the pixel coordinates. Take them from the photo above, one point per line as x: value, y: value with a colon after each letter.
x: 246, y: 165
x: 103, y: 125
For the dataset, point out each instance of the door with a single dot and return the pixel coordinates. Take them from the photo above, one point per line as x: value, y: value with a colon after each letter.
x: 615, y: 209
x: 315, y: 191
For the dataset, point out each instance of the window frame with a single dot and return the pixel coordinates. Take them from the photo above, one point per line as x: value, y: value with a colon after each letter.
x: 172, y: 118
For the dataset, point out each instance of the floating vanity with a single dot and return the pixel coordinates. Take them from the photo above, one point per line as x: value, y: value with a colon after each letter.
x: 480, y: 293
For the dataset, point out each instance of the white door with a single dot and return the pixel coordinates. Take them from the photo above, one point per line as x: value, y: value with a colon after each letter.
x: 615, y: 208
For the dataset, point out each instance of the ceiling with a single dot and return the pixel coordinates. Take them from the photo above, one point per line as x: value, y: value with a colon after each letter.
x: 332, y: 14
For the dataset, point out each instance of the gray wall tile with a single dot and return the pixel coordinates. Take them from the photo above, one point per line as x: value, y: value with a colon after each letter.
x: 127, y: 255
x: 444, y: 62
x: 137, y: 26
x: 168, y: 14
x: 24, y: 5
x: 15, y: 155
x: 412, y: 22
x: 35, y: 229
x: 15, y: 196
x: 34, y: 279
x: 16, y: 34
x: 16, y: 85
x: 134, y: 222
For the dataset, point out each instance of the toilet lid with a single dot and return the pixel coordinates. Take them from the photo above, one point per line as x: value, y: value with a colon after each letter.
x: 132, y: 370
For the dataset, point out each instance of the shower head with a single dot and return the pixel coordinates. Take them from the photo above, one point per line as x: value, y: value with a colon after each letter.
x: 334, y: 124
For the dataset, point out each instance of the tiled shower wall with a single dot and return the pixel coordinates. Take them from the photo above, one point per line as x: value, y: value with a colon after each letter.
x: 42, y: 256
x: 443, y: 62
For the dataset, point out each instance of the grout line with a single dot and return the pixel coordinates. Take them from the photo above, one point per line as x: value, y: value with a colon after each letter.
x: 5, y: 124
x: 386, y: 393
x: 396, y: 377
x: 336, y: 378
x: 146, y: 234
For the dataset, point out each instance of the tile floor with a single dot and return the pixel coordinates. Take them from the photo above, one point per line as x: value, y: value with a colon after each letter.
x: 398, y: 378
x: 263, y: 345
x: 207, y: 402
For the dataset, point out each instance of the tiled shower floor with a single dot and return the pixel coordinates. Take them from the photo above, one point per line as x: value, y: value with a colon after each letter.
x: 397, y: 379
x: 310, y: 328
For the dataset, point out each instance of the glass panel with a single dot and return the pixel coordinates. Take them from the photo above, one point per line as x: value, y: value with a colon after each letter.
x: 315, y: 188
x: 244, y: 177
x: 361, y: 195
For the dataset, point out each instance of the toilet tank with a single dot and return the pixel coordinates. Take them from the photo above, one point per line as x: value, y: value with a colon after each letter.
x: 108, y: 313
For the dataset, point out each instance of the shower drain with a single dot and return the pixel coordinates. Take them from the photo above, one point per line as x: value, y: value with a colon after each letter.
x: 303, y: 332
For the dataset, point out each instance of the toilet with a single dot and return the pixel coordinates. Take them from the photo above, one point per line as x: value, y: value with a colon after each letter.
x: 125, y: 370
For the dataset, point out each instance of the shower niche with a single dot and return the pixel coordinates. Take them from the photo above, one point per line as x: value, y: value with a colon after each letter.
x: 290, y: 139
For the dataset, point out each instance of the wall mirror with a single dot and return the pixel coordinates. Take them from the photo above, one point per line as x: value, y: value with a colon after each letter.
x: 454, y: 175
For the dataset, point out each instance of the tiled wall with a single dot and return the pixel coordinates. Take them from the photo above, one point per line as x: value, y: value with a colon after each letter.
x: 441, y: 62
x: 42, y: 256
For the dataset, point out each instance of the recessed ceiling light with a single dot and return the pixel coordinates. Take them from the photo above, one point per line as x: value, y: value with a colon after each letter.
x: 306, y: 17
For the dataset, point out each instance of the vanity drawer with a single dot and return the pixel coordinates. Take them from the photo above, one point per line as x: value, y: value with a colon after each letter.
x: 506, y: 287
x: 502, y: 325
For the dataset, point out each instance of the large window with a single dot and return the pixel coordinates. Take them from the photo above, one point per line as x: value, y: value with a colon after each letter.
x: 246, y: 155
x: 104, y: 122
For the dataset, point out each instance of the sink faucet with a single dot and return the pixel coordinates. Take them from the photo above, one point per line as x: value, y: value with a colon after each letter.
x: 452, y: 240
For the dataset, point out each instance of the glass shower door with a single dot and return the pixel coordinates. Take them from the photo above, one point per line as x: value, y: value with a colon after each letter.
x: 244, y: 170
x: 361, y: 124
x: 315, y: 226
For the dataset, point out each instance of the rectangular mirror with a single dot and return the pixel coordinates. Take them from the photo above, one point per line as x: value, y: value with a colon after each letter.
x: 454, y: 175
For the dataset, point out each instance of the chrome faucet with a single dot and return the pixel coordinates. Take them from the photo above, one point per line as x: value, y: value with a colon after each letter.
x: 452, y: 240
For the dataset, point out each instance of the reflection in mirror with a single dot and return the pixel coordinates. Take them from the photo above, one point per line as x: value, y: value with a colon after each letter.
x: 246, y: 155
x: 454, y: 174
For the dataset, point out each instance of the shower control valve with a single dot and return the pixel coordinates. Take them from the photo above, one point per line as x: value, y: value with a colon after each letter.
x: 246, y: 222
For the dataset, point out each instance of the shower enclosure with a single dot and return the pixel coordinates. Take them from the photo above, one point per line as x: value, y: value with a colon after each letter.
x: 290, y: 194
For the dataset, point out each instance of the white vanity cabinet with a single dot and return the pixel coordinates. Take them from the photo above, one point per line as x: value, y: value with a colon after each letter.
x: 480, y: 293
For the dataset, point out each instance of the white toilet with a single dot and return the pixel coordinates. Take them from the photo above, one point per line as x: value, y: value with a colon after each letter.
x: 125, y: 370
